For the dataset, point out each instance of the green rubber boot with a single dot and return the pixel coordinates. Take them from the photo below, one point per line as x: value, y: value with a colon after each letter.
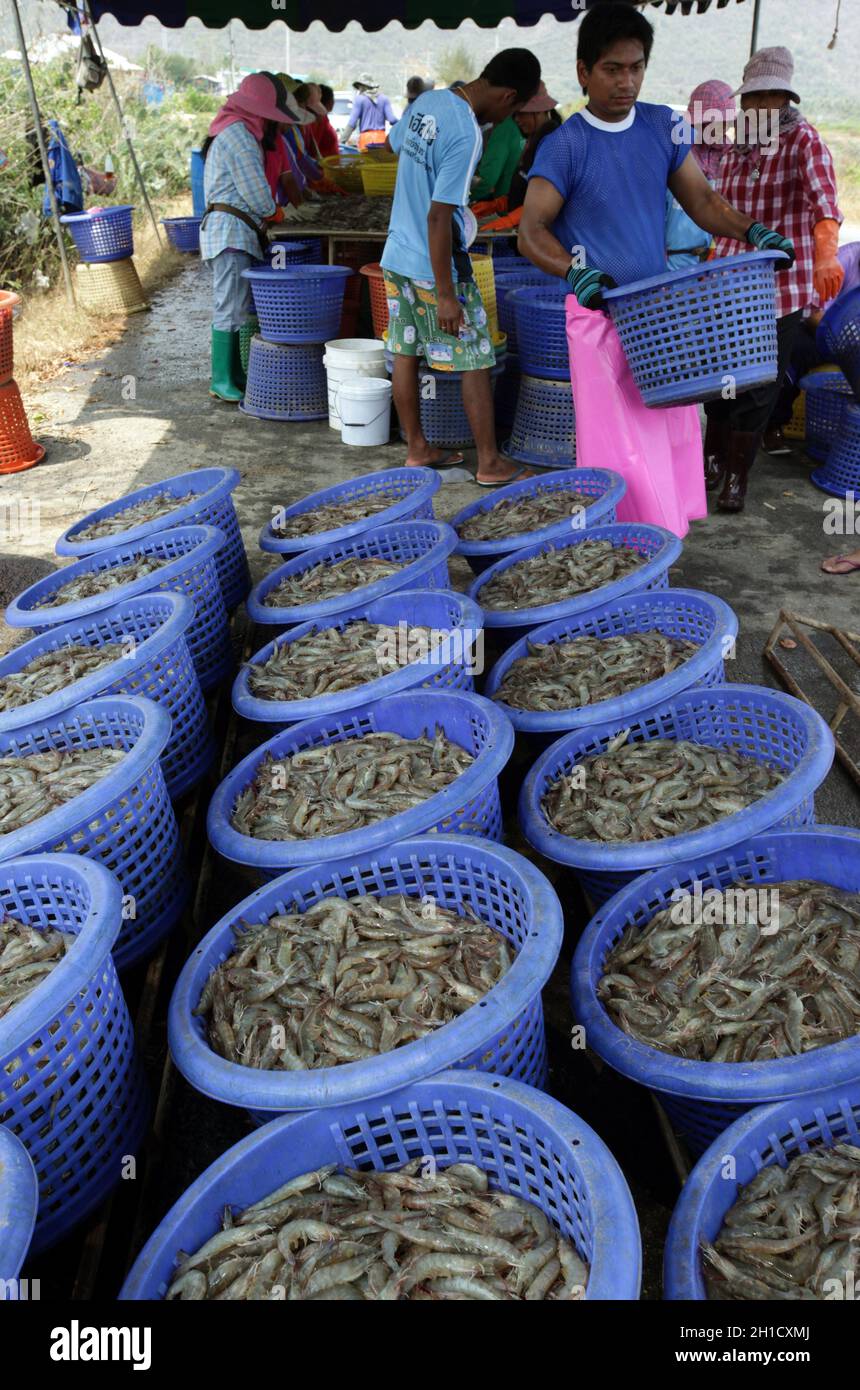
x: 246, y: 333
x: 223, y: 383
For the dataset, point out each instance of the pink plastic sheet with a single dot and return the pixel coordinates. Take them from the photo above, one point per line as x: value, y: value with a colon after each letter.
x: 657, y: 452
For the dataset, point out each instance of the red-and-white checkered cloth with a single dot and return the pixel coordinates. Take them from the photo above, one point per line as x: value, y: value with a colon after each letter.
x: 795, y: 188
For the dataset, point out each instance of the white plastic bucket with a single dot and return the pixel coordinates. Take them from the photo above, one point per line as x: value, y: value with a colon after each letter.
x: 365, y: 409
x: 348, y: 358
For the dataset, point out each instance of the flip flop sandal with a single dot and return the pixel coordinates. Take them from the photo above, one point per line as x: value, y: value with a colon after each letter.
x: 840, y: 559
x: 520, y: 473
x: 454, y: 459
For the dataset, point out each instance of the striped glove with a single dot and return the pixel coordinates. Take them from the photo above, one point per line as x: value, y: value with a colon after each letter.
x: 587, y: 284
x: 764, y: 239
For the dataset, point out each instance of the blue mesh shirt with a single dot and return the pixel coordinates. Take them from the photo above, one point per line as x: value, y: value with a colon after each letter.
x: 613, y: 177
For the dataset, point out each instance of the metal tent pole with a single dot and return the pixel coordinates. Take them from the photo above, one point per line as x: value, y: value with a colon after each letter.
x: 754, y: 35
x: 43, y: 153
x: 123, y: 126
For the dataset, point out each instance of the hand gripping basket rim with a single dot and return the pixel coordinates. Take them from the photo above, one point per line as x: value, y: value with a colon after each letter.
x: 640, y: 855
x: 233, y: 1084
x: 616, y: 487
x: 428, y: 484
x: 220, y: 488
x: 260, y: 612
x: 654, y: 692
x: 147, y: 749
x: 759, y: 1138
x: 278, y: 1151
x: 580, y: 603
x: 735, y: 1083
x: 695, y: 272
x: 19, y: 1203
x: 207, y: 542
x: 269, y: 855
x: 175, y: 625
x: 93, y: 942
x: 254, y: 707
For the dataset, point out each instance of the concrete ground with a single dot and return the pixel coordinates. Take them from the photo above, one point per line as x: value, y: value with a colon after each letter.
x: 141, y: 412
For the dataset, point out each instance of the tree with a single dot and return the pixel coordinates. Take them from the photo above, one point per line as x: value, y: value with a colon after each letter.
x: 455, y: 64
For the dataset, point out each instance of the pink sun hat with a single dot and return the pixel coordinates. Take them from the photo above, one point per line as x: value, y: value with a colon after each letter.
x: 540, y: 103
x: 769, y: 70
x: 713, y: 96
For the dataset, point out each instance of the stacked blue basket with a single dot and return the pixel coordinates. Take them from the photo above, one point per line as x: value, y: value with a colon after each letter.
x: 183, y: 232
x: 443, y: 415
x: 299, y: 309
x: 288, y: 252
x: 827, y: 391
x: 840, y: 473
x: 19, y: 1204
x: 105, y: 235
x: 838, y: 337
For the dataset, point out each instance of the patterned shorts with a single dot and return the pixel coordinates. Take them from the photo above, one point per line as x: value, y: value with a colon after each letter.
x: 413, y: 328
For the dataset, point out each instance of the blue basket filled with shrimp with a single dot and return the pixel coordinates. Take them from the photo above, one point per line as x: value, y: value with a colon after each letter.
x: 19, y: 1204
x: 354, y: 572
x: 71, y: 1085
x: 535, y: 510
x: 344, y: 784
x: 731, y: 761
x: 559, y: 579
x: 482, y: 913
x: 741, y: 959
x: 180, y: 560
x: 89, y: 779
x: 135, y: 648
x: 686, y: 331
x: 429, y: 638
x: 790, y: 1168
x: 630, y: 655
x: 562, y: 1199
x: 345, y: 510
x: 200, y: 497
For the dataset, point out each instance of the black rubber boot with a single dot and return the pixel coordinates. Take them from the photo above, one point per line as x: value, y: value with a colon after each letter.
x: 743, y: 447
x: 716, y: 450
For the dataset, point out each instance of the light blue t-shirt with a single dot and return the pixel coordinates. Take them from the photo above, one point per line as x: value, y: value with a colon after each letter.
x: 439, y: 143
x: 613, y: 178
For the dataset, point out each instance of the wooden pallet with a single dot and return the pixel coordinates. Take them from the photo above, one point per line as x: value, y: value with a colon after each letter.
x: 848, y: 699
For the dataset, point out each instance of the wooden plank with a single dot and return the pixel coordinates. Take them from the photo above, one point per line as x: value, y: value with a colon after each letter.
x: 850, y: 700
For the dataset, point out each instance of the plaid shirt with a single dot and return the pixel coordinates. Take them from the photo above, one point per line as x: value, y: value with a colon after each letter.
x: 795, y: 188
x: 235, y: 174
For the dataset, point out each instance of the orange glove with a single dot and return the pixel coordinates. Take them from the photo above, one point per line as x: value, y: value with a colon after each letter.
x: 504, y: 224
x: 827, y: 273
x: 489, y: 206
x: 276, y: 216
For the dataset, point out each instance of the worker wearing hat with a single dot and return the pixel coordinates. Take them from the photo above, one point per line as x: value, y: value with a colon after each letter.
x: 537, y: 119
x: 779, y: 171
x: 239, y: 208
x: 711, y: 111
x: 371, y: 110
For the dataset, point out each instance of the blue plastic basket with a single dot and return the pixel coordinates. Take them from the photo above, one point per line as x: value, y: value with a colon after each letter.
x: 838, y: 336
x: 190, y: 552
x: 660, y: 549
x: 125, y: 820
x: 300, y: 304
x: 410, y: 490
x: 840, y: 473
x: 286, y: 381
x: 503, y: 1034
x: 544, y: 428
x: 103, y: 236
x: 702, y: 1098
x: 211, y: 505
x: 528, y: 1144
x: 827, y: 392
x: 506, y: 394
x: 422, y: 547
x: 684, y: 613
x: 19, y: 1204
x: 443, y: 415
x: 509, y: 281
x: 71, y: 1086
x: 767, y: 1135
x: 155, y: 663
x: 286, y: 251
x: 541, y: 317
x: 183, y: 232
x: 606, y: 487
x: 761, y: 723
x: 448, y: 667
x: 686, y: 331
x: 469, y: 806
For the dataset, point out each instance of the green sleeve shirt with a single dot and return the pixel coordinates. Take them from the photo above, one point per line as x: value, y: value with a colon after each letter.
x: 500, y: 161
